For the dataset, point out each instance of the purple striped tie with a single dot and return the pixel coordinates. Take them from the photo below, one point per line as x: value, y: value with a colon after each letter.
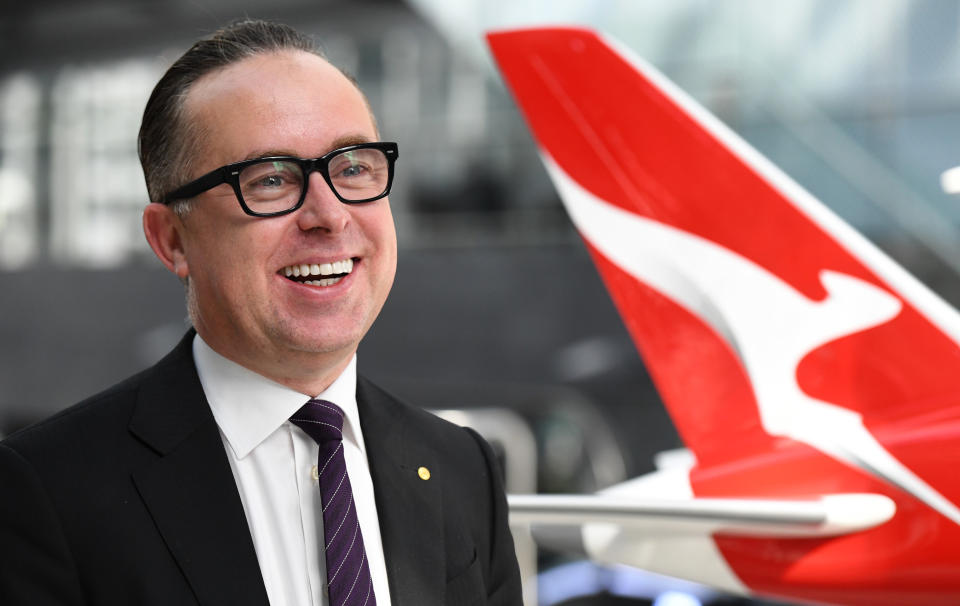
x: 348, y: 575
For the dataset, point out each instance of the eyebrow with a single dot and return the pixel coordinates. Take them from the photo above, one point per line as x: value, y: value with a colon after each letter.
x: 337, y: 144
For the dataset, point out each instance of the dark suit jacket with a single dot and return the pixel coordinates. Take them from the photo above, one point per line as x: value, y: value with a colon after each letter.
x: 128, y: 499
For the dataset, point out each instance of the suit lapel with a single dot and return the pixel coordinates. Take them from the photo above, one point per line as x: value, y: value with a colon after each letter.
x: 409, y: 508
x: 189, y: 490
x: 191, y: 494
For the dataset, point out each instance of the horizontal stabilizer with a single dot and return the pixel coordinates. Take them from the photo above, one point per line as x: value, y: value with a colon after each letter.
x: 828, y: 515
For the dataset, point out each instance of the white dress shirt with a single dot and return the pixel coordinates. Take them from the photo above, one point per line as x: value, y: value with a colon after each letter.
x: 273, y: 463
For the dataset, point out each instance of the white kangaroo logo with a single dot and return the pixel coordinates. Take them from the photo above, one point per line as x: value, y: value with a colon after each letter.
x: 769, y: 324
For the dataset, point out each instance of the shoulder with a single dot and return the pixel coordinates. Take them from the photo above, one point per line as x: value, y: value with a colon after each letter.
x: 83, y: 428
x: 57, y: 473
x: 89, y: 418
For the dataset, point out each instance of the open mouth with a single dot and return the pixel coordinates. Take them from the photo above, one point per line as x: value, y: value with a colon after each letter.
x: 318, y: 274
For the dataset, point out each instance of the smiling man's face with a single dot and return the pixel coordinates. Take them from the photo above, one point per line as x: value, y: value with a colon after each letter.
x: 246, y: 300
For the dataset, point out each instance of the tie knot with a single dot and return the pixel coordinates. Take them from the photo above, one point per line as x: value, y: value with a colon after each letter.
x: 322, y: 420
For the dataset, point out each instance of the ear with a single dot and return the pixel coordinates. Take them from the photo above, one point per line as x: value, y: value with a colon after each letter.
x: 164, y: 231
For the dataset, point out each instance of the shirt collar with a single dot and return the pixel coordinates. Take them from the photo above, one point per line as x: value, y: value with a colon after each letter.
x: 248, y: 407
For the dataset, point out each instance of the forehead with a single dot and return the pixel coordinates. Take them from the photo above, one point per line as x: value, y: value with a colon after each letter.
x: 286, y: 102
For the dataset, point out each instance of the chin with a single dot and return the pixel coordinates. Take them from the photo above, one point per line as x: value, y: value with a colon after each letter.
x: 318, y: 334
x: 321, y: 342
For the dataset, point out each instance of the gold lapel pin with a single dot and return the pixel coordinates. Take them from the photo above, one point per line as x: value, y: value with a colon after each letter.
x: 424, y: 473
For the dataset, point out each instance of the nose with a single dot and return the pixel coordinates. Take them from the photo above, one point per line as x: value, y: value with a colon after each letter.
x: 321, y: 208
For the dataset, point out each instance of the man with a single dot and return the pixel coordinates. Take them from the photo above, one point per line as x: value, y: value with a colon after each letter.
x: 187, y: 483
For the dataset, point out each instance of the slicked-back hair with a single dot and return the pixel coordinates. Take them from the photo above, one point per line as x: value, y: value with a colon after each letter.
x: 167, y: 139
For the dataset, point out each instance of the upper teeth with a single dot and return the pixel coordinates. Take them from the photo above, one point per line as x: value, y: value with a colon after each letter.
x: 319, y: 269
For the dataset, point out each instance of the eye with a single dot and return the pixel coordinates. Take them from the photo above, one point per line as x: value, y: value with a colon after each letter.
x: 349, y: 165
x: 271, y: 181
x: 270, y: 175
x: 359, y: 174
x: 354, y: 170
x: 356, y: 163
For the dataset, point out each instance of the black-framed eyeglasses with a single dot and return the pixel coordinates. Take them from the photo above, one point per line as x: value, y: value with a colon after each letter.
x: 272, y: 186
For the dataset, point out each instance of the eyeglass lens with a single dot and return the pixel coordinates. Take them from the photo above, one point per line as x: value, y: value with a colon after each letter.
x: 276, y: 185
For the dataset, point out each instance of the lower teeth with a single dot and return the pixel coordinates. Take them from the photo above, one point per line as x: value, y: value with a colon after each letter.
x: 323, y: 282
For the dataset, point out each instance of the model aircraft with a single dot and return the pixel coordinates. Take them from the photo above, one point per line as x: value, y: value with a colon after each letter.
x: 815, y: 382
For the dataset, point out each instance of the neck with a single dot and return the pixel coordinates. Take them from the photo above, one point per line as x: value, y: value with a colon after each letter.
x: 309, y: 373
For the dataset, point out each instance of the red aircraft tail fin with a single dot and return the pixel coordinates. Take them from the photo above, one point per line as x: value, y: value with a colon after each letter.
x: 794, y: 357
x: 761, y: 315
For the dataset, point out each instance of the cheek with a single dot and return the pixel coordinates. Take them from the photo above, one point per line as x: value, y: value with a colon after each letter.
x: 215, y: 261
x: 387, y: 247
x: 224, y: 263
x: 380, y: 228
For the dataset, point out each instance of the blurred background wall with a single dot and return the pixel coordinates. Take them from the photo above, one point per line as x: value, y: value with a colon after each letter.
x: 496, y: 303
